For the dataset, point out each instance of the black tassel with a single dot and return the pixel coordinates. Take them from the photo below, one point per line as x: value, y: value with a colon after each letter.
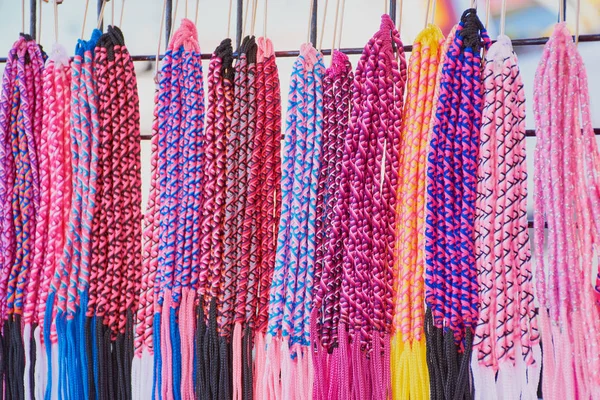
x: 225, y: 382
x: 247, y: 364
x: 32, y: 357
x: 435, y: 357
x: 201, y: 390
x: 212, y: 340
x: 88, y: 329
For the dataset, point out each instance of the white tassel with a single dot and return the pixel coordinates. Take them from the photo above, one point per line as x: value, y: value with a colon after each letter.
x: 136, y: 370
x: 508, y: 384
x: 41, y: 370
x: 533, y: 375
x: 54, y: 394
x: 27, y: 348
x: 484, y: 379
x: 146, y: 375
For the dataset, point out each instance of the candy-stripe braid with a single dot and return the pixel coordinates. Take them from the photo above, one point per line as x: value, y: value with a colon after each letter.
x: 452, y: 163
x: 565, y: 311
x: 408, y: 347
x: 503, y: 234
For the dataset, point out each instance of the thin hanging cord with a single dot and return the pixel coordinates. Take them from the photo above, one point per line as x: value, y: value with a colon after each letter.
x: 56, y: 21
x: 39, y: 32
x: 577, y: 18
x: 173, y: 21
x: 503, y: 18
x: 335, y: 27
x: 197, y: 9
x: 112, y: 13
x: 561, y: 11
x: 312, y: 4
x: 162, y: 24
x: 487, y: 13
x: 432, y: 20
x: 23, y: 16
x: 265, y: 19
x: 87, y: 3
x: 101, y: 16
x: 186, y: 8
x: 339, y: 46
x: 229, y: 18
x: 254, y: 8
x: 323, y: 25
x: 400, y: 7
x: 121, y: 18
x: 245, y: 19
x: 427, y: 12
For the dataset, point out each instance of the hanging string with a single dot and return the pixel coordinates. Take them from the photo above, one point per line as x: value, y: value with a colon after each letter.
x: 427, y: 13
x: 23, y: 16
x: 254, y: 8
x: 229, y: 18
x: 162, y: 23
x: 122, y: 12
x: 323, y: 25
x: 101, y: 15
x: 503, y: 18
x: 39, y: 32
x: 56, y: 21
x: 335, y: 27
x: 310, y: 15
x: 112, y: 12
x: 173, y: 20
x: 339, y: 46
x: 265, y: 18
x: 577, y: 21
x: 197, y: 11
x: 87, y: 3
x: 400, y: 9
x: 487, y: 13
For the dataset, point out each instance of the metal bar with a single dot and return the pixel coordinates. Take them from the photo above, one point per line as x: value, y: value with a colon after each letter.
x: 239, y: 23
x: 32, y: 18
x: 358, y: 50
x: 528, y: 133
x: 313, y: 23
x: 393, y: 10
x: 168, y: 22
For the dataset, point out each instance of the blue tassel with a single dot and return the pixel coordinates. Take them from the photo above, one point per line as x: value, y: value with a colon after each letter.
x: 176, y: 346
x: 47, y: 325
x: 62, y: 356
x: 156, y: 382
x: 80, y: 318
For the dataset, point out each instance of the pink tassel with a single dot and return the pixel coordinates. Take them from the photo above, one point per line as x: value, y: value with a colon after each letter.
x: 186, y: 321
x: 165, y: 348
x: 237, y: 361
x: 259, y: 366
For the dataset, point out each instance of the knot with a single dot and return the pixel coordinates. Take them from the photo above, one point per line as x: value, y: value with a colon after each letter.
x: 59, y: 55
x: 386, y: 23
x: 248, y: 47
x: 225, y: 52
x: 309, y: 53
x: 500, y: 51
x: 265, y: 49
x: 186, y: 36
x: 339, y: 62
x: 471, y: 29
